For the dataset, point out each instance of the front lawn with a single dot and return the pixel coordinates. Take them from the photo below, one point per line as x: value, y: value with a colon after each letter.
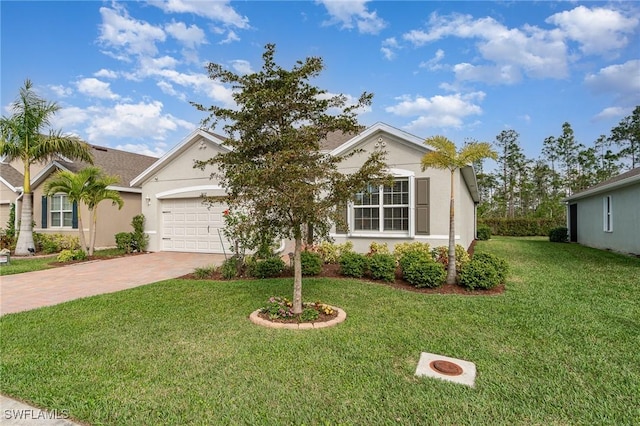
x: 560, y: 346
x: 18, y: 265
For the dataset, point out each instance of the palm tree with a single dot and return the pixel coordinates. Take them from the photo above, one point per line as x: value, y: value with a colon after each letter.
x: 76, y: 186
x: 445, y: 156
x: 21, y: 137
x: 99, y: 192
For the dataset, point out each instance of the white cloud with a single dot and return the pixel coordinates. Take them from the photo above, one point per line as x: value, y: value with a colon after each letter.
x: 241, y: 66
x: 438, y: 111
x: 510, y: 52
x: 191, y: 36
x: 231, y: 37
x: 157, y: 150
x: 132, y: 121
x: 622, y: 81
x: 127, y: 35
x: 388, y: 48
x: 597, y: 30
x: 105, y: 73
x: 218, y: 10
x: 434, y: 64
x: 61, y: 91
x: 353, y: 13
x: 68, y: 118
x: 96, y: 89
x: 611, y: 113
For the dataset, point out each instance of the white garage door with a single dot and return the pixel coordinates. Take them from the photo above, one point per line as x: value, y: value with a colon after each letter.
x: 190, y: 226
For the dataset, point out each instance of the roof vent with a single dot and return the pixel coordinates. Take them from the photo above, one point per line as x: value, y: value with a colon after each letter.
x: 100, y: 148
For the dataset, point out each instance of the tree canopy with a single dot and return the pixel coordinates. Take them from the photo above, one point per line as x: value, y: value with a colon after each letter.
x: 276, y: 170
x: 23, y: 137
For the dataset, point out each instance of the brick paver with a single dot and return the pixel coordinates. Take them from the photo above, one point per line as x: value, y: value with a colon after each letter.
x: 21, y: 292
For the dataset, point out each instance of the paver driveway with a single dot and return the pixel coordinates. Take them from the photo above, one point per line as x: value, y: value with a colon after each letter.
x: 21, y: 292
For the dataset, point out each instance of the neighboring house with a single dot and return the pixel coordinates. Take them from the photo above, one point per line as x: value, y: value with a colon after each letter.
x: 415, y: 208
x: 56, y: 215
x: 11, y: 181
x: 607, y: 215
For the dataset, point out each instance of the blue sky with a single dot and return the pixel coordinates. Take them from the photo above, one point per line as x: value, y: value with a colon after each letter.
x: 124, y: 72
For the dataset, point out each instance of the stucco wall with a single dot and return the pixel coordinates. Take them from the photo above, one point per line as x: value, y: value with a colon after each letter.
x: 177, y: 179
x: 404, y: 157
x: 625, y: 236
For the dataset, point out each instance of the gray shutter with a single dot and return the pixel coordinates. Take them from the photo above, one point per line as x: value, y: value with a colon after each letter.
x: 422, y: 206
x: 45, y: 213
x: 74, y: 215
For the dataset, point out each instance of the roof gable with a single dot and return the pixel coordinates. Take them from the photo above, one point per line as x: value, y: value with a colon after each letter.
x: 11, y: 177
x: 627, y: 178
x: 197, y: 136
x: 400, y: 135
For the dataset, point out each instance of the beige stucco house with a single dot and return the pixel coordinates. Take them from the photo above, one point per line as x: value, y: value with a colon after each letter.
x: 415, y: 208
x: 607, y: 215
x: 56, y: 215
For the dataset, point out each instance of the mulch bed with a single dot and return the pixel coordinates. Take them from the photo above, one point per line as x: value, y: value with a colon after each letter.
x: 322, y: 317
x: 93, y: 258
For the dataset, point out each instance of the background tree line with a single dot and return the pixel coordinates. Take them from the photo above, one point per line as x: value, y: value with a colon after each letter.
x: 522, y: 187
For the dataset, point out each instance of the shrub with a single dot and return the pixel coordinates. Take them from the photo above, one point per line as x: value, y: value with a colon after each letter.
x: 311, y: 263
x: 410, y: 257
x: 54, y: 243
x: 229, y: 268
x: 68, y: 255
x: 484, y: 232
x: 353, y: 264
x: 330, y: 252
x: 441, y: 255
x: 479, y: 274
x: 522, y: 227
x: 375, y: 247
x: 134, y: 241
x: 423, y: 272
x: 559, y: 235
x: 204, y: 272
x: 382, y: 266
x: 416, y: 246
x: 268, y: 268
x: 124, y: 241
x: 309, y: 315
x: 278, y: 307
x: 499, y: 264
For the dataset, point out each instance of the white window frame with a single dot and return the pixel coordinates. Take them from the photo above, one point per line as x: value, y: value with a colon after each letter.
x: 398, y: 174
x: 61, y: 211
x: 607, y: 213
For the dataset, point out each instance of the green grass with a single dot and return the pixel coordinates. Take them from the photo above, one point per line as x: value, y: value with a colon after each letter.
x: 26, y: 264
x: 559, y: 347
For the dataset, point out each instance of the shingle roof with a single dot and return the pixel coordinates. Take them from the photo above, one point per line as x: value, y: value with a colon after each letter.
x: 335, y: 139
x: 123, y: 164
x: 11, y: 175
x: 608, y: 184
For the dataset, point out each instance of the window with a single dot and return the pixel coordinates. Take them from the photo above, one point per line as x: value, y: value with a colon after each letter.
x: 61, y: 211
x: 608, y: 219
x: 387, y: 213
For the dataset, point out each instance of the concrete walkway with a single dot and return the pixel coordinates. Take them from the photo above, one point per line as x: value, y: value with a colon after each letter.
x: 21, y: 292
x: 31, y: 290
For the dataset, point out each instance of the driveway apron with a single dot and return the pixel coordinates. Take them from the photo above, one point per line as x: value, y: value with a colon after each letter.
x: 31, y: 290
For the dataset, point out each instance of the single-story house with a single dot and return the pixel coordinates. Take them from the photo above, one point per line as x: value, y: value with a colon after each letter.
x: 56, y: 215
x: 415, y: 208
x: 607, y: 215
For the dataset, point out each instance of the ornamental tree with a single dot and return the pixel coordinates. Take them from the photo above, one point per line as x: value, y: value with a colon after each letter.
x: 275, y: 170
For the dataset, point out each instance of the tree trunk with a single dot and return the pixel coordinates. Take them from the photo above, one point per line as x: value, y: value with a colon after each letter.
x: 92, y: 230
x: 297, y: 277
x: 451, y: 269
x: 25, y: 234
x: 83, y: 240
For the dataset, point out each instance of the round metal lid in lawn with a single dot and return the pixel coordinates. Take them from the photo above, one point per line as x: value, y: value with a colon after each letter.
x: 446, y: 367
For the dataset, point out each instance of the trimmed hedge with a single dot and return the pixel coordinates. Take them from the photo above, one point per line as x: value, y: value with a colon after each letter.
x: 311, y: 263
x: 484, y: 232
x: 559, y: 235
x: 521, y: 227
x: 353, y: 264
x: 382, y: 266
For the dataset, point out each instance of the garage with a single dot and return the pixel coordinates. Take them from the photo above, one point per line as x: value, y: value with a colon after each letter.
x: 190, y: 226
